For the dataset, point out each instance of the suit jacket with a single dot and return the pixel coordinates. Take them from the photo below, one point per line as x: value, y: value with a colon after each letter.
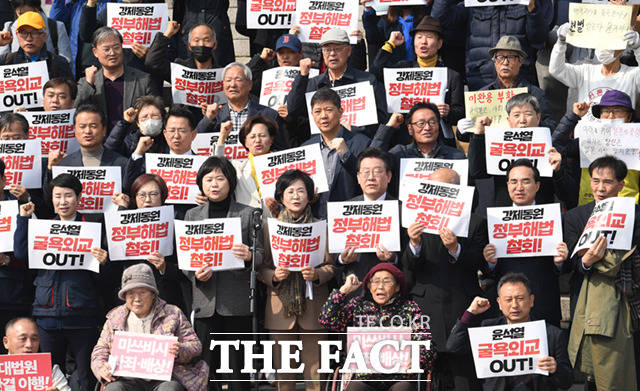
x: 227, y: 292
x: 275, y: 317
x: 344, y: 185
x: 443, y: 286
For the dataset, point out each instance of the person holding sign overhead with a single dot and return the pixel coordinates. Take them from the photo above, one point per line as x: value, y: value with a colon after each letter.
x: 67, y: 302
x: 220, y: 299
x: 294, y: 299
x: 515, y: 300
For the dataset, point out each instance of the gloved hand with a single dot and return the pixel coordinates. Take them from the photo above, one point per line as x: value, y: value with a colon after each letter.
x: 633, y: 39
x: 464, y: 124
x: 563, y: 31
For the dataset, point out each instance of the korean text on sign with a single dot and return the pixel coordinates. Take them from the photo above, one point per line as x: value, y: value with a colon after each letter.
x: 509, y: 350
x: 503, y: 146
x: 276, y: 84
x: 63, y: 245
x: 270, y: 14
x: 144, y: 356
x: 599, y: 139
x: 195, y: 86
x: 491, y: 103
x: 363, y: 226
x: 612, y: 218
x: 138, y: 23
x: 208, y: 243
x: 23, y: 163
x: 437, y: 205
x: 270, y: 166
x: 388, y: 356
x: 294, y: 246
x: 99, y: 184
x: 423, y: 168
x: 21, y: 85
x: 54, y: 129
x: 315, y: 17
x: 599, y: 26
x: 204, y: 145
x: 407, y: 86
x: 493, y: 3
x: 135, y: 234
x: 8, y: 214
x: 25, y: 372
x: 525, y: 231
x: 179, y: 172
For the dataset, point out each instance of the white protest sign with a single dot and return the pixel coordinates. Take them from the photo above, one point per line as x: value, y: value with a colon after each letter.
x: 135, y: 234
x: 503, y: 146
x: 195, y: 86
x: 99, y: 184
x: 138, y: 23
x: 276, y: 84
x: 315, y: 17
x: 8, y: 214
x: 23, y: 163
x: 423, y: 168
x: 179, y: 173
x: 388, y: 3
x: 358, y: 104
x: 491, y: 103
x: 21, y: 85
x: 208, y: 243
x: 142, y: 356
x: 629, y: 2
x: 437, y: 205
x: 63, y: 245
x: 54, y: 129
x: 509, y: 349
x: 599, y: 26
x: 598, y: 139
x: 493, y: 3
x: 525, y: 231
x: 363, y: 225
x: 294, y: 246
x: 388, y: 357
x: 270, y: 14
x: 612, y: 218
x: 204, y: 145
x: 270, y: 166
x: 407, y: 86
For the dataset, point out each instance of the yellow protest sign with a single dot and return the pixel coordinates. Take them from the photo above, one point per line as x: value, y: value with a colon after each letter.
x: 599, y: 26
x: 491, y: 103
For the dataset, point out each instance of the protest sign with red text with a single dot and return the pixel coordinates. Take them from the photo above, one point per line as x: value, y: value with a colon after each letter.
x: 138, y: 23
x: 294, y: 246
x: 525, y: 231
x: 21, y: 85
x: 54, y: 129
x: 135, y: 234
x: 270, y: 166
x: 8, y: 215
x: 276, y: 84
x: 22, y: 162
x: 25, y: 372
x: 388, y: 356
x: 194, y: 86
x: 509, y: 349
x: 99, y: 184
x: 423, y: 168
x: 437, y: 205
x: 389, y: 3
x: 358, y: 104
x: 493, y: 3
x: 142, y: 356
x: 208, y: 243
x: 63, y: 245
x: 179, y: 173
x: 407, y: 86
x: 612, y: 218
x: 204, y: 145
x: 270, y: 14
x: 503, y: 146
x: 491, y: 103
x: 363, y: 225
x: 316, y: 17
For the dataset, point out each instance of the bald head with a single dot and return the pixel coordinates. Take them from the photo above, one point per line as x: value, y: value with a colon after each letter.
x: 445, y: 175
x: 21, y: 336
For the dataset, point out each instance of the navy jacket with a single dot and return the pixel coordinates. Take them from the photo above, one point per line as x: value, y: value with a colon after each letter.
x: 124, y: 138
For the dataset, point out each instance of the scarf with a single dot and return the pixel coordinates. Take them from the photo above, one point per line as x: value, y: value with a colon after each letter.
x: 628, y: 281
x: 428, y: 63
x: 292, y: 290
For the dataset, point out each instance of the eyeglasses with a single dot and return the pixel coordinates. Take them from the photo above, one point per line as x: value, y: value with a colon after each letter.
x: 500, y: 59
x: 335, y: 49
x: 421, y: 124
x: 609, y: 110
x: 30, y: 34
x: 180, y: 131
x: 152, y: 195
x: 376, y: 172
x: 111, y: 49
x: 388, y: 282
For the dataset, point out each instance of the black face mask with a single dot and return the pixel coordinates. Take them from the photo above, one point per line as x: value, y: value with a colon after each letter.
x: 202, y: 53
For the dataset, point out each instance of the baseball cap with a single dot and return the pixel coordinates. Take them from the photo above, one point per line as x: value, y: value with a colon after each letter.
x: 335, y: 36
x: 31, y: 19
x: 289, y: 41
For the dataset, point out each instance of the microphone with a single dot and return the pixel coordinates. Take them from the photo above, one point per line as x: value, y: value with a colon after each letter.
x: 256, y: 216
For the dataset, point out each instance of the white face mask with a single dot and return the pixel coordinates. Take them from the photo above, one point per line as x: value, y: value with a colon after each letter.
x: 612, y: 120
x: 151, y: 127
x: 605, y: 56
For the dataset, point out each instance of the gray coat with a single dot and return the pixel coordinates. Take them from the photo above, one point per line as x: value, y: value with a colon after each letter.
x: 227, y: 292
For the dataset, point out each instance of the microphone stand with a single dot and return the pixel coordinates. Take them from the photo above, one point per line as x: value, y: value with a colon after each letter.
x: 256, y: 222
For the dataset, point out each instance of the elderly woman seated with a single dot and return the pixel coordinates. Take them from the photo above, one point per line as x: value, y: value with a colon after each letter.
x: 383, y: 301
x: 145, y: 312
